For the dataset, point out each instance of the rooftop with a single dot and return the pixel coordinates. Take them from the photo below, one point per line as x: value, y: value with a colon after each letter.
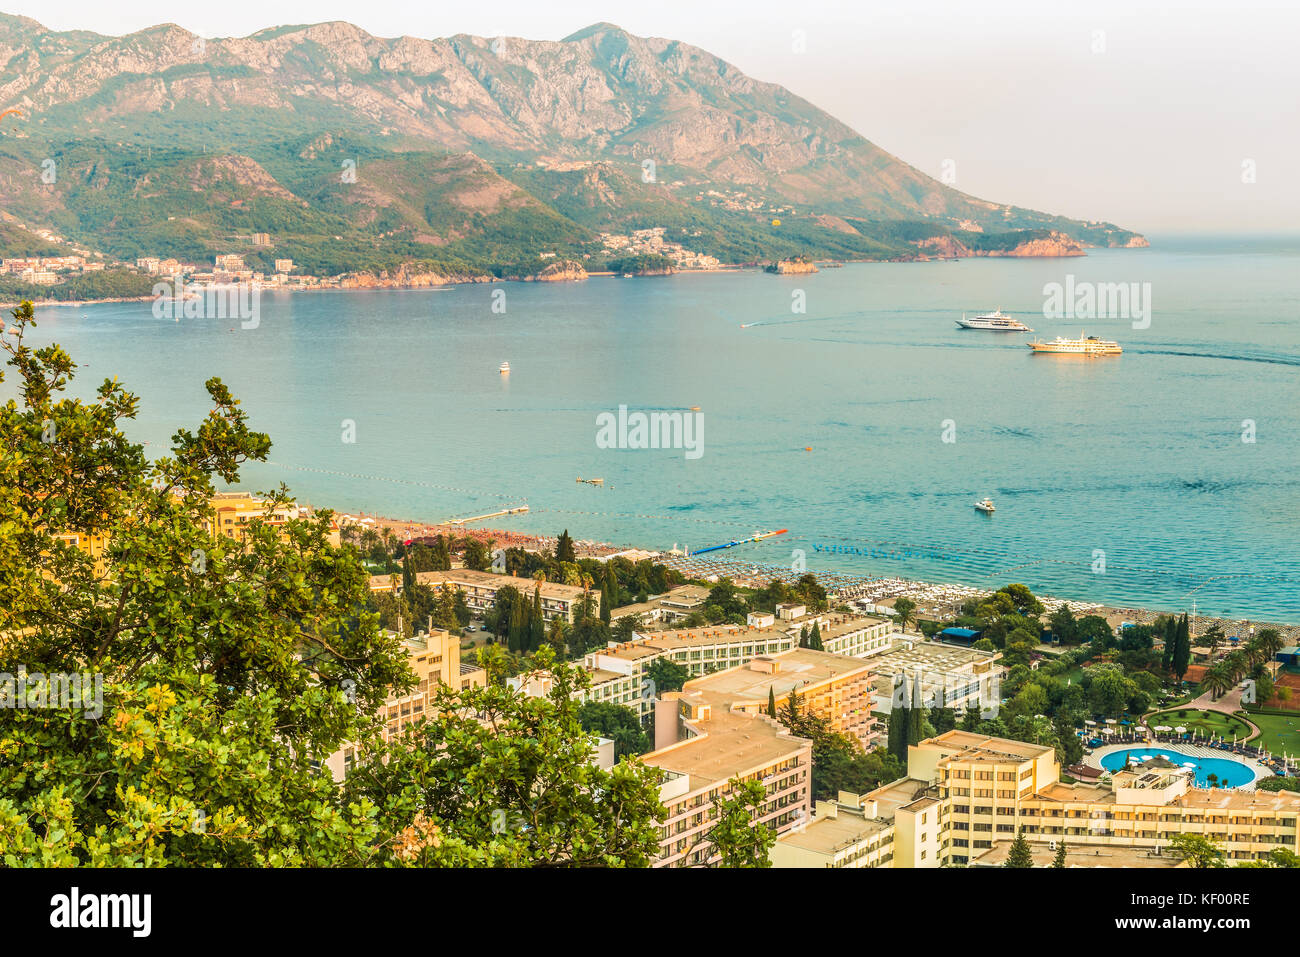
x: 963, y: 746
x: 930, y: 656
x: 781, y: 673
x: 827, y: 835
x: 729, y: 744
x: 1080, y: 856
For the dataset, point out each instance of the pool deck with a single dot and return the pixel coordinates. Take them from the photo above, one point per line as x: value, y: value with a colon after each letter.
x: 1191, y: 750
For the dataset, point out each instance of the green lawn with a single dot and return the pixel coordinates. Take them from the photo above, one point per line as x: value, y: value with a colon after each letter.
x: 1206, y: 722
x: 1278, y: 733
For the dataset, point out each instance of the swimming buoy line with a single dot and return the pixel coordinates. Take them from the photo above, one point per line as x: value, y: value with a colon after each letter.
x: 966, y: 552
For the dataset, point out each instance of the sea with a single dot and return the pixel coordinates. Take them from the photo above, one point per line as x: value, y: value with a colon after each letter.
x: 845, y: 407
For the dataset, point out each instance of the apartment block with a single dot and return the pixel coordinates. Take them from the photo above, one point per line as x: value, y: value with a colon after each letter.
x: 933, y: 674
x: 834, y: 687
x: 717, y: 748
x: 986, y: 789
x: 434, y: 656
x: 480, y: 589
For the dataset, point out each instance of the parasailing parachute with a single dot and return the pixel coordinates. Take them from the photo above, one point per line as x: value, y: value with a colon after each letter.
x: 7, y: 112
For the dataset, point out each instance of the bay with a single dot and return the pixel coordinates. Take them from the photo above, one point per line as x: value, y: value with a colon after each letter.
x: 1124, y: 480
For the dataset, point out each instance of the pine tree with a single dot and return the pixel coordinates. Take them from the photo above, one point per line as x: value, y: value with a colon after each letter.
x: 771, y: 701
x: 790, y: 716
x: 1059, y: 859
x: 1020, y: 855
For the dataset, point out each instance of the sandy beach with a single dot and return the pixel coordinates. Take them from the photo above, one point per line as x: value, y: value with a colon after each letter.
x: 937, y: 599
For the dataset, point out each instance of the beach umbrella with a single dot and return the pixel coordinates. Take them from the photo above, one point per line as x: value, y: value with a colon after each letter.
x: 1181, y: 730
x: 1090, y: 723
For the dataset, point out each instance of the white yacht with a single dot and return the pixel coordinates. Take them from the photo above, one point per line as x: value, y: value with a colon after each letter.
x: 986, y: 506
x: 993, y: 321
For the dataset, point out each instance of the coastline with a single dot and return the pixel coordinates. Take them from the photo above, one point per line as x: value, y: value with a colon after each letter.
x: 369, y: 283
x: 939, y: 596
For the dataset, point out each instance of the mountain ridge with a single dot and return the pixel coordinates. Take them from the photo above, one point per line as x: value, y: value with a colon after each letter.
x: 670, y: 134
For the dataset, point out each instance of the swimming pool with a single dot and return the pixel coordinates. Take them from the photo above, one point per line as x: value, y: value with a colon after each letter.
x: 1228, y: 771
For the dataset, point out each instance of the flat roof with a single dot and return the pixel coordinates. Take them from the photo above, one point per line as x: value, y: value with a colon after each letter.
x: 845, y: 624
x: 970, y: 746
x: 827, y: 835
x: 896, y: 794
x: 796, y: 669
x: 1080, y: 855
x: 730, y: 744
x: 905, y: 655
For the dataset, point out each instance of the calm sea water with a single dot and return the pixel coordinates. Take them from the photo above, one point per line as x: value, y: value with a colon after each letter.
x: 1138, y: 457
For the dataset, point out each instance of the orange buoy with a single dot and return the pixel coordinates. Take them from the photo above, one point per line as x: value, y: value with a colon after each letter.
x: 807, y: 448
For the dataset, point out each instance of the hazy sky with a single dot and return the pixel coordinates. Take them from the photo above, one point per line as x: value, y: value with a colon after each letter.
x: 1141, y: 113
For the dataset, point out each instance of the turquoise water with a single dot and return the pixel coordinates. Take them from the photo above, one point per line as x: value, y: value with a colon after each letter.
x: 1138, y: 457
x: 1231, y: 773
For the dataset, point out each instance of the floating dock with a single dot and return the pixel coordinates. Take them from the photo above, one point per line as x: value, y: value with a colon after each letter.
x: 479, y: 518
x: 739, y: 541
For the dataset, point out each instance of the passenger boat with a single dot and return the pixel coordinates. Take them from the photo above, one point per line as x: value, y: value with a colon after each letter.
x: 993, y: 322
x: 504, y: 368
x: 986, y: 506
x: 1083, y: 346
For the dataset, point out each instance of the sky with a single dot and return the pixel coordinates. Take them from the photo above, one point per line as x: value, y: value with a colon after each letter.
x: 1162, y: 117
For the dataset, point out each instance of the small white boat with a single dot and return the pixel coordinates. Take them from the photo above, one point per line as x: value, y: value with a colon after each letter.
x: 986, y: 506
x: 504, y: 369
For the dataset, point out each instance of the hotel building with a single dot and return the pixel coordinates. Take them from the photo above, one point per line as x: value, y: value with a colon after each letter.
x: 480, y: 590
x: 833, y: 687
x: 435, y: 658
x: 718, y: 747
x: 985, y: 789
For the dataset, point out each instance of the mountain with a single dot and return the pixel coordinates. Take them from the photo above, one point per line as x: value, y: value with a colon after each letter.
x: 466, y: 151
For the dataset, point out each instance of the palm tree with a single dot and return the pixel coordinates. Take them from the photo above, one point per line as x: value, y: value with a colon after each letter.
x: 1255, y: 653
x: 1271, y: 641
x: 1235, y: 666
x: 1216, y: 679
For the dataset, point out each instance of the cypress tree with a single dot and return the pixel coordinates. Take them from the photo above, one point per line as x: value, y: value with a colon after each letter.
x: 915, y: 716
x: 1059, y: 859
x: 1171, y: 639
x: 771, y: 701
x: 899, y: 721
x: 1182, y: 648
x: 536, y: 621
x: 815, y: 637
x: 564, y: 551
x: 408, y: 576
